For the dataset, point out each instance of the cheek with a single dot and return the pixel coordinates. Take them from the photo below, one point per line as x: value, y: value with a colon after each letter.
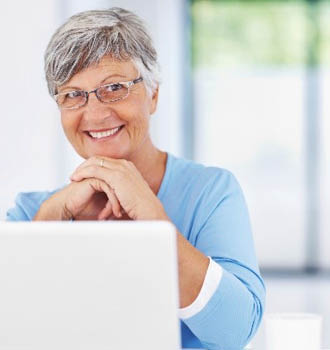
x: 139, y: 115
x: 139, y: 124
x: 69, y: 125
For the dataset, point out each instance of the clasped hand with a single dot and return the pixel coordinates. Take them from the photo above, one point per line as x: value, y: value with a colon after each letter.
x: 121, y: 189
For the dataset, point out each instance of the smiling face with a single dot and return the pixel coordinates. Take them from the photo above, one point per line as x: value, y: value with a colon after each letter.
x: 116, y: 129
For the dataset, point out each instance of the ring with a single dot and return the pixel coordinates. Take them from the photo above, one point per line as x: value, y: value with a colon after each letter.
x: 102, y: 162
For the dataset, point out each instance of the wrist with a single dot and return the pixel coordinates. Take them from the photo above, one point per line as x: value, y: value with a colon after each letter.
x: 160, y: 215
x: 49, y: 211
x: 155, y: 212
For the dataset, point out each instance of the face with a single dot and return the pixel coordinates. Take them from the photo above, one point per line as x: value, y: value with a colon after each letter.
x: 88, y: 127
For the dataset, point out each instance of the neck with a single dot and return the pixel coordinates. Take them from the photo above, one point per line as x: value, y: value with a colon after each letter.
x: 151, y: 163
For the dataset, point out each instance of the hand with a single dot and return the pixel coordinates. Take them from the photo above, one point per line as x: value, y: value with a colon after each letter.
x: 132, y: 191
x: 90, y: 199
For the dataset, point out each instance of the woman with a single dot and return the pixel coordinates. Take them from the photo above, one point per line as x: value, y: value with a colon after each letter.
x: 102, y: 70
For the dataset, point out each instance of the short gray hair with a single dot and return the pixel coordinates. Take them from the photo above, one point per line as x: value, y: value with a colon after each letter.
x: 85, y: 38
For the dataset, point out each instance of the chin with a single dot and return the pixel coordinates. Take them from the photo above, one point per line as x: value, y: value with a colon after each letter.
x: 107, y: 153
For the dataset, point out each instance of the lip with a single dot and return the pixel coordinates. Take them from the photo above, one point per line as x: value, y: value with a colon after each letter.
x: 101, y: 130
x: 102, y: 139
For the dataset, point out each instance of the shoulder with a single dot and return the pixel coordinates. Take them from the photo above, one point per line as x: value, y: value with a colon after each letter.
x: 27, y: 204
x: 205, y: 198
x: 203, y: 179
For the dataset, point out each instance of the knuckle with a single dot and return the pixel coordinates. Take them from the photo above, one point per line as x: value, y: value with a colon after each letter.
x: 124, y: 162
x: 124, y: 165
x: 93, y: 167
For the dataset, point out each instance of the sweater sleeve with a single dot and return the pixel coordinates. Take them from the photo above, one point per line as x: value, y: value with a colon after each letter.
x: 231, y: 317
x: 21, y: 210
x: 27, y: 205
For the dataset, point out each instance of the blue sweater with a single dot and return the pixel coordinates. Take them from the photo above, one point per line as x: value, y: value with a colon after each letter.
x: 207, y: 206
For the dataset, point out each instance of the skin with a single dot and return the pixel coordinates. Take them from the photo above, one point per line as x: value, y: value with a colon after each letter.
x: 127, y: 183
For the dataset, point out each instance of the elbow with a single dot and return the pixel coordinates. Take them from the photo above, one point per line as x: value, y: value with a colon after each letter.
x: 243, y: 327
x: 255, y: 319
x: 232, y: 317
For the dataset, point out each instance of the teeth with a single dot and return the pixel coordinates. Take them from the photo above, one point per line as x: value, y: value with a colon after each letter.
x: 99, y: 135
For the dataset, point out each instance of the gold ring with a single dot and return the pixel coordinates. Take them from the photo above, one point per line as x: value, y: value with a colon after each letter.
x: 102, y: 162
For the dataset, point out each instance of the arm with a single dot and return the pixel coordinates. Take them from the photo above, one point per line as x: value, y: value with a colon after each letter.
x: 26, y: 206
x: 86, y: 200
x: 192, y: 267
x: 232, y: 315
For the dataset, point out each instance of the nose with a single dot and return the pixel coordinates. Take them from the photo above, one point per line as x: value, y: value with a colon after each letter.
x: 95, y: 109
x: 92, y: 97
x: 93, y: 104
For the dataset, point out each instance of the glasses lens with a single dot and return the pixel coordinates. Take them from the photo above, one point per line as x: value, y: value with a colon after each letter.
x: 112, y: 92
x: 71, y: 99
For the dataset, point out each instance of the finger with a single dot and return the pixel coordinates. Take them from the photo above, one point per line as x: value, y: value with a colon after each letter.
x: 114, y: 205
x: 90, y: 171
x: 106, y: 211
x: 93, y: 171
x: 101, y: 161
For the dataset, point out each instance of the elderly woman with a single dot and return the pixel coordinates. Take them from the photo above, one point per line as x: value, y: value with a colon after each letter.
x: 102, y: 71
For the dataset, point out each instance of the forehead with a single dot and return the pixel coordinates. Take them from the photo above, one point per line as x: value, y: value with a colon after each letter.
x: 106, y: 68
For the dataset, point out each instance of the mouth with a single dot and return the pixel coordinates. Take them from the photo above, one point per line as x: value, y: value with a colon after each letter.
x: 104, y: 134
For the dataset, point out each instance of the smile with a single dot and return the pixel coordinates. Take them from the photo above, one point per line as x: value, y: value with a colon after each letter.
x: 105, y: 133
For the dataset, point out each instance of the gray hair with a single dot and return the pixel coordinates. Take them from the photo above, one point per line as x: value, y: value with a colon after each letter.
x: 85, y: 38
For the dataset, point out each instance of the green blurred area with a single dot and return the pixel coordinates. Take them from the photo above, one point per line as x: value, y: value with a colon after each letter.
x: 260, y: 33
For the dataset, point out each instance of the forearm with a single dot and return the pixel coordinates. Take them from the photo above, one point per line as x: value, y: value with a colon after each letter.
x: 50, y: 212
x: 233, y: 313
x: 192, y: 267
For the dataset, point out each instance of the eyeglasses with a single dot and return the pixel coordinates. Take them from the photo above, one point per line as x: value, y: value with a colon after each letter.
x: 105, y: 93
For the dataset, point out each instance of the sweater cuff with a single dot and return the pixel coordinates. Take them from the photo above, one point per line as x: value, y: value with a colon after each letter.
x: 212, y: 279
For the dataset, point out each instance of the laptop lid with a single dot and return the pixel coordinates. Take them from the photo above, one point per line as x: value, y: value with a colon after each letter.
x: 88, y: 285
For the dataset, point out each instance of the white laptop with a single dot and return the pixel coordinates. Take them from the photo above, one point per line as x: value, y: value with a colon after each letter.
x: 88, y: 285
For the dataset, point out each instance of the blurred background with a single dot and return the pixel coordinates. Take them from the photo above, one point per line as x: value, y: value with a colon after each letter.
x: 244, y: 87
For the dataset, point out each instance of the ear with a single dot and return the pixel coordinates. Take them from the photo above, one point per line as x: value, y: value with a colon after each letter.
x: 154, y: 100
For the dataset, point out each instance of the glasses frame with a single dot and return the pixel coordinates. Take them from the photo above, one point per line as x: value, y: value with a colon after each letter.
x: 126, y: 84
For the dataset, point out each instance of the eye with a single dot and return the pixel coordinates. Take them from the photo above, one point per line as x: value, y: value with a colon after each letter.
x: 73, y: 94
x: 114, y: 87
x: 71, y: 99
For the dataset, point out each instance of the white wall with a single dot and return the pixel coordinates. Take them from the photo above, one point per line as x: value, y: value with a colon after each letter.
x: 254, y: 121
x: 28, y: 145
x: 34, y: 153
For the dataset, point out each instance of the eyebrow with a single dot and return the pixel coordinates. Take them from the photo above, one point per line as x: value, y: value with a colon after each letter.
x: 73, y: 88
